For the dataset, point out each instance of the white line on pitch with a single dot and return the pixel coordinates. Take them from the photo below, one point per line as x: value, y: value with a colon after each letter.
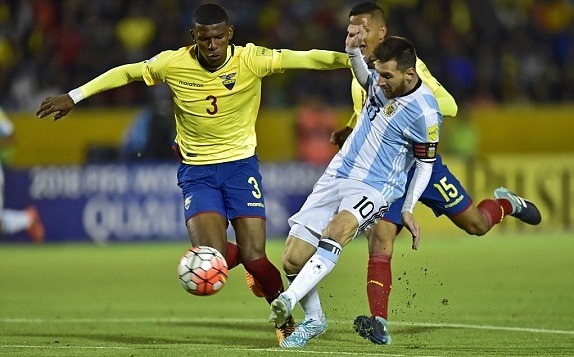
x: 338, y: 353
x: 236, y: 349
x: 242, y: 320
x: 484, y: 327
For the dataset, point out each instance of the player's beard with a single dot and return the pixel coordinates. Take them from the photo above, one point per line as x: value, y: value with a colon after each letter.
x: 391, y: 92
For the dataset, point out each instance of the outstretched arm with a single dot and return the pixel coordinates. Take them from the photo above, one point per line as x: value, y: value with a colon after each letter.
x: 314, y: 59
x: 116, y: 77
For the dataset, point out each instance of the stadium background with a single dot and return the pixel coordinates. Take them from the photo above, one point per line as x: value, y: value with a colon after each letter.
x: 509, y: 64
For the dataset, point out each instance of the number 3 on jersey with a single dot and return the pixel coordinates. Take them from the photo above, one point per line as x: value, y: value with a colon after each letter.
x: 213, y: 102
x: 257, y: 192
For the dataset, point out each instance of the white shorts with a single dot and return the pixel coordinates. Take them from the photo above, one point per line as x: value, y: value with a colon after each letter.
x: 330, y: 196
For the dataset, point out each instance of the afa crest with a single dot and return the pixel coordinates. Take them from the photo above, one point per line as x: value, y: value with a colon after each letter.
x: 228, y: 80
x: 390, y: 108
x: 431, y: 152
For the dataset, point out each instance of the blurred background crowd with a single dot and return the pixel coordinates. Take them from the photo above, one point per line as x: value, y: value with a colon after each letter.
x: 487, y: 51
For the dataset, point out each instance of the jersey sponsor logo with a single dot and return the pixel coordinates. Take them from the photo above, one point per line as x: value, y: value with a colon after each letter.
x: 432, y: 133
x: 390, y: 108
x: 262, y: 51
x: 455, y: 202
x: 191, y: 84
x: 228, y: 80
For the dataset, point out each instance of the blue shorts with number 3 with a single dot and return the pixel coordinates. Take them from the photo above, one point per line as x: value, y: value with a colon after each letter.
x: 232, y: 189
x: 444, y: 195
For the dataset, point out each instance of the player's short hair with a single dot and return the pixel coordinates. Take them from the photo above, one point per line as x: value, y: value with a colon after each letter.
x: 210, y: 14
x: 371, y: 8
x: 399, y: 49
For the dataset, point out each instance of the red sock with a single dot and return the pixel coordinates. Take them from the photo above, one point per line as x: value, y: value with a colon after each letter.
x: 494, y: 210
x: 232, y: 255
x: 506, y: 206
x: 267, y: 276
x: 379, y: 283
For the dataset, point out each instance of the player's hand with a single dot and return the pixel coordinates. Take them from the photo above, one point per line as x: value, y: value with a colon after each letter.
x: 338, y: 137
x: 60, y: 104
x: 355, y: 36
x: 413, y: 227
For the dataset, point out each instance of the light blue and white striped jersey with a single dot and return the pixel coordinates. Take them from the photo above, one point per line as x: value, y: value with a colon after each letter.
x: 379, y: 151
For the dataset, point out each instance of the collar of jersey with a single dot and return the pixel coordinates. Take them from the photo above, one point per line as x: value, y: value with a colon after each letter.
x: 419, y: 83
x: 230, y: 53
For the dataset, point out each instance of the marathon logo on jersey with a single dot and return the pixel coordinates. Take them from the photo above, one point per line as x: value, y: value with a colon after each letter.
x: 432, y: 133
x: 390, y: 108
x: 191, y: 84
x: 255, y: 204
x: 262, y: 51
x: 228, y: 80
x: 187, y: 202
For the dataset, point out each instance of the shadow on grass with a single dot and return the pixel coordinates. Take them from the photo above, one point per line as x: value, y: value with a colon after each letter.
x: 190, y: 333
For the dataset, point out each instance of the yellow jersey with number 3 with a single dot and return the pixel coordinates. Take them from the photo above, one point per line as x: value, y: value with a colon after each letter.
x: 215, y: 112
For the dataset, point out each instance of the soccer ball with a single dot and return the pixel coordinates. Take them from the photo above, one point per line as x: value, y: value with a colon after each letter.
x: 202, y: 271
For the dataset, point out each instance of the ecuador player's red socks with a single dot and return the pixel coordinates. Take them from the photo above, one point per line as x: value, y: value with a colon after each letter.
x: 379, y: 283
x: 494, y: 210
x: 267, y: 277
x: 505, y: 205
x: 232, y: 255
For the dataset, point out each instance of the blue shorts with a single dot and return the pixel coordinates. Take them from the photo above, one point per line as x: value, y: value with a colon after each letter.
x: 232, y: 189
x: 444, y: 195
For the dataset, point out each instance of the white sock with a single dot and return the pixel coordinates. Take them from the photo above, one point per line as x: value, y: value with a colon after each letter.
x: 310, y: 303
x: 14, y: 221
x: 316, y: 268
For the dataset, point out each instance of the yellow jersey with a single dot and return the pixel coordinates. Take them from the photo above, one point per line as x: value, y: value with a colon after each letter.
x: 215, y: 112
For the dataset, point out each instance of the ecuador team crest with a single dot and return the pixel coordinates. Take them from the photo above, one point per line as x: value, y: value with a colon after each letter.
x: 228, y: 80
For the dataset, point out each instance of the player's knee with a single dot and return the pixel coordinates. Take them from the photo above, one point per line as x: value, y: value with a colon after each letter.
x: 382, y: 237
x: 296, y: 254
x: 477, y: 228
x: 292, y: 263
x: 249, y: 252
x: 383, y: 232
x: 341, y: 231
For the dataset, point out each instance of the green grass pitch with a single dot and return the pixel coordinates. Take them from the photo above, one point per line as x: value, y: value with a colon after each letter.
x: 499, y: 295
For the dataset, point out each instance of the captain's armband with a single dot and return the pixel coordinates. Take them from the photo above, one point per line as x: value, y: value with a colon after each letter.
x: 426, y: 152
